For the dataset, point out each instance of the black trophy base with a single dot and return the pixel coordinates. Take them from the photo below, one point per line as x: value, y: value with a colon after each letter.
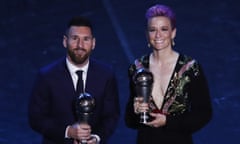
x: 144, y: 118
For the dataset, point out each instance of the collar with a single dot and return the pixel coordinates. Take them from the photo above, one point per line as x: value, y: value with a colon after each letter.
x: 73, y: 68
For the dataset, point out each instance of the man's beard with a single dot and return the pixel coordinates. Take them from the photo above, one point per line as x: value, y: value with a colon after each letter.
x: 78, y: 58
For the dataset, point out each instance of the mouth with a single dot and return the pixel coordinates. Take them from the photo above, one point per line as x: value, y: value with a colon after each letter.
x: 79, y: 51
x: 158, y: 41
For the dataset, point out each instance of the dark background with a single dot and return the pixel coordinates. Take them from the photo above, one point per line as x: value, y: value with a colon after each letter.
x: 31, y: 37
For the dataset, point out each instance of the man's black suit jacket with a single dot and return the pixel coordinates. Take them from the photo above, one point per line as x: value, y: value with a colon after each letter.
x: 51, y: 105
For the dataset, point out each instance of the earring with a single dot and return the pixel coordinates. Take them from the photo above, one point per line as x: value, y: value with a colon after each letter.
x: 173, y: 43
x: 149, y: 45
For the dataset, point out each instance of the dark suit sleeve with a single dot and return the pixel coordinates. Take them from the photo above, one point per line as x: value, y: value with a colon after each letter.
x: 40, y: 112
x: 200, y: 111
x: 111, y: 109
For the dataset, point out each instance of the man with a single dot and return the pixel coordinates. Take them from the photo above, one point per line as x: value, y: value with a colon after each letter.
x: 52, y: 111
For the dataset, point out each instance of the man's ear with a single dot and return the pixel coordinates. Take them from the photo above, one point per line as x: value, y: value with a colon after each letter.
x: 64, y: 41
x: 93, y: 43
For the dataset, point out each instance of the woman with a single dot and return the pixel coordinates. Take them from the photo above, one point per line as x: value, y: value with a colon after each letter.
x: 179, y: 104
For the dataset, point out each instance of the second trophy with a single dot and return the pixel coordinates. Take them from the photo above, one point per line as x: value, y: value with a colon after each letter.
x: 143, y: 80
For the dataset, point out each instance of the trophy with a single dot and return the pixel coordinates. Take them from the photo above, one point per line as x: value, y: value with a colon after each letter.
x: 85, y: 105
x: 143, y: 80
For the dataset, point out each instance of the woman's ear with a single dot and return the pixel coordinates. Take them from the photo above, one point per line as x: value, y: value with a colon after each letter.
x: 174, y: 32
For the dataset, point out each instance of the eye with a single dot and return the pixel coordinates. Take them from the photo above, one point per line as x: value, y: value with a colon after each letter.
x: 87, y: 38
x: 74, y: 38
x: 164, y: 29
x: 151, y: 30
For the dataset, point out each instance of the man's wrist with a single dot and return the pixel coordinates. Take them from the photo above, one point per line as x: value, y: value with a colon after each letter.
x: 96, y: 137
x: 66, y: 132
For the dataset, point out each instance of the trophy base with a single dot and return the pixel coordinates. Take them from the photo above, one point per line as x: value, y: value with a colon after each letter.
x: 83, y: 142
x: 144, y: 118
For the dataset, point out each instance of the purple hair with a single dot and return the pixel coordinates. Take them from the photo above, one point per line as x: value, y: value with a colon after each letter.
x: 161, y: 10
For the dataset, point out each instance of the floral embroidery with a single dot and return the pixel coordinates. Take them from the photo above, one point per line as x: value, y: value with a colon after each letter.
x: 175, y: 89
x: 138, y: 64
x: 176, y: 100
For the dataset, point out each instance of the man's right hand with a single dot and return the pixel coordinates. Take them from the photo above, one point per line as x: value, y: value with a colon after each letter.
x: 79, y: 132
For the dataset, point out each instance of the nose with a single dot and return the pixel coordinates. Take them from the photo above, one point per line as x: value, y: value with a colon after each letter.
x: 158, y: 33
x: 80, y: 43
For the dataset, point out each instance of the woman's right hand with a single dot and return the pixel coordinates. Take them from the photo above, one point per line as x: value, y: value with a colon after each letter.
x: 139, y: 105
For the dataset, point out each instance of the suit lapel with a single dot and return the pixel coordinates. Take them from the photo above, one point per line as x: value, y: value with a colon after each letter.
x: 66, y: 79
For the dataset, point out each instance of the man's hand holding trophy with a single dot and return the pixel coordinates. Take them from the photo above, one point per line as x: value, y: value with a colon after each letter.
x: 85, y: 105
